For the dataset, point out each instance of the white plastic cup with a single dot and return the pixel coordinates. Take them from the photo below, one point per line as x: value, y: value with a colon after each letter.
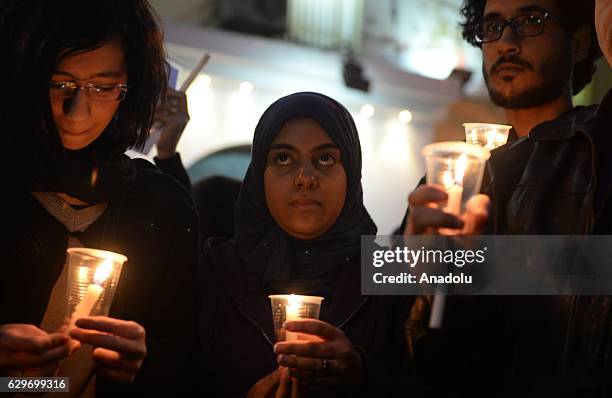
x: 93, y: 276
x: 458, y: 168
x: 486, y: 135
x: 287, y: 307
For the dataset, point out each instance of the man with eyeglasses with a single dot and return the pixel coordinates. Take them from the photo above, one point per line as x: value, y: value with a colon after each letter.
x: 551, y: 178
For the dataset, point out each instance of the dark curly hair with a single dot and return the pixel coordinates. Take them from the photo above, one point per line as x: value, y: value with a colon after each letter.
x: 576, y: 14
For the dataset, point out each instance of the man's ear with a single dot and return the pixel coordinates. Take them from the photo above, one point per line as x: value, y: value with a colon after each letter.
x: 582, y: 41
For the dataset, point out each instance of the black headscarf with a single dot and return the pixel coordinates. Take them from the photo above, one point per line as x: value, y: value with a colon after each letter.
x: 277, y: 258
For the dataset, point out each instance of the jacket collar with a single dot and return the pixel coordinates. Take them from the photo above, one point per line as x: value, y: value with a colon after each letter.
x: 567, y: 125
x: 559, y: 129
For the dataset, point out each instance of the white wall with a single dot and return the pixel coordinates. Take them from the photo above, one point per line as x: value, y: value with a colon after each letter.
x: 221, y: 116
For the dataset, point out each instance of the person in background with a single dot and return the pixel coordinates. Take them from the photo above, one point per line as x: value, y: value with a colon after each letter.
x: 171, y: 117
x: 603, y: 118
x: 299, y: 220
x: 215, y: 198
x: 551, y: 178
x: 81, y: 86
x: 603, y: 25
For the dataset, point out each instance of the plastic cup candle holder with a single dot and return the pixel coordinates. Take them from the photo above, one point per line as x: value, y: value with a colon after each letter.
x: 289, y: 307
x: 93, y: 276
x: 458, y: 168
x: 486, y: 135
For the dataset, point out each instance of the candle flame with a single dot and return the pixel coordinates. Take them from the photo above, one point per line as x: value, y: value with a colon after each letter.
x: 294, y: 301
x: 460, y: 167
x: 491, y: 138
x: 447, y: 179
x: 103, y: 271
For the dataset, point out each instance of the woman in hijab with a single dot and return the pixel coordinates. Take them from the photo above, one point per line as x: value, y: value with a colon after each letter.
x: 80, y: 84
x: 299, y: 219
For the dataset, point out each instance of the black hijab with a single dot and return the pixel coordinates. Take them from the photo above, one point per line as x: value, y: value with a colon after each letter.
x: 281, y: 261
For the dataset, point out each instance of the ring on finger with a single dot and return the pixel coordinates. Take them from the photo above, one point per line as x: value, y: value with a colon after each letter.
x: 325, y: 366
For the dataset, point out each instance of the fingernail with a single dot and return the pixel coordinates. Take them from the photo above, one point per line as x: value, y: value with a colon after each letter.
x: 282, y: 359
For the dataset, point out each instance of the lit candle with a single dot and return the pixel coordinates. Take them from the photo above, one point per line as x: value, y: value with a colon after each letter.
x: 454, y: 192
x: 292, y: 312
x: 453, y: 185
x: 454, y: 188
x: 93, y: 292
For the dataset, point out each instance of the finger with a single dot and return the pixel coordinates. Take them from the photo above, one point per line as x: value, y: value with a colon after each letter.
x: 268, y: 384
x: 476, y: 214
x: 314, y: 327
x: 296, y: 387
x: 73, y: 345
x: 128, y: 329
x: 44, y: 371
x: 114, y: 360
x: 284, y: 385
x: 117, y: 376
x: 421, y: 218
x: 427, y: 194
x: 20, y: 360
x: 29, y: 338
x: 315, y: 365
x: 311, y: 349
x: 478, y: 204
x: 304, y: 376
x: 131, y: 348
x: 176, y: 99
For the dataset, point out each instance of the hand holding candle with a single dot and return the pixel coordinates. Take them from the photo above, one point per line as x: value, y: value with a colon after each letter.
x: 457, y: 167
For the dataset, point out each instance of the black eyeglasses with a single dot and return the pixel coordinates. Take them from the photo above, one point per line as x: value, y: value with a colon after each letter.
x: 97, y: 92
x: 525, y: 25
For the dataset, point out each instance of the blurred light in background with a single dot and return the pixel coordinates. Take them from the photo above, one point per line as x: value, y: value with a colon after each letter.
x: 405, y: 116
x: 246, y: 87
x: 206, y: 81
x: 367, y: 111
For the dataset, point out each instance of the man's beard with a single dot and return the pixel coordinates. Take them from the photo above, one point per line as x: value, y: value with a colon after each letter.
x: 554, y: 74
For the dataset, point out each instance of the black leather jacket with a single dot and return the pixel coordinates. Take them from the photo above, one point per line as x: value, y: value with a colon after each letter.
x: 560, y: 345
x: 555, y: 181
x: 549, y: 182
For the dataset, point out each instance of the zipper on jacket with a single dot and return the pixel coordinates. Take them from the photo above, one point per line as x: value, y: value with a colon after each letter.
x: 263, y: 332
x: 352, y: 314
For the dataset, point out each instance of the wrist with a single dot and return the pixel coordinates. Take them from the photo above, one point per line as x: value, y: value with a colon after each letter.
x: 165, y: 153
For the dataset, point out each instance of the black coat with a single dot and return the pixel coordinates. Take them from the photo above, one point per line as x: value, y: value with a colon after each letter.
x: 154, y: 224
x: 556, y: 181
x: 237, y: 334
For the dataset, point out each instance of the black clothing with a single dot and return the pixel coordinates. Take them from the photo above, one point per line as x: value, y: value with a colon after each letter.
x: 153, y: 223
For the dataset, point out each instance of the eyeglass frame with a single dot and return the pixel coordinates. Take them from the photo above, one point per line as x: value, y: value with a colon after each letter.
x: 510, y: 22
x: 87, y: 86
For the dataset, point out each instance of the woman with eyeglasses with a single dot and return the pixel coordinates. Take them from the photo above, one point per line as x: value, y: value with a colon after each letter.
x: 81, y: 80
